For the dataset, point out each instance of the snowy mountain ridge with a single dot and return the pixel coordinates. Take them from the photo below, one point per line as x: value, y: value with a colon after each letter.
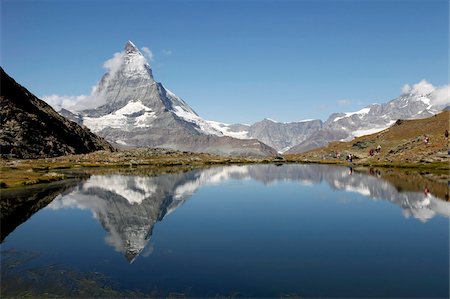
x: 128, y: 107
x: 419, y: 101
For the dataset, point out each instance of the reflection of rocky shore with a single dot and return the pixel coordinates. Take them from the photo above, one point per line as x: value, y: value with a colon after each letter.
x: 17, y: 205
x: 129, y: 206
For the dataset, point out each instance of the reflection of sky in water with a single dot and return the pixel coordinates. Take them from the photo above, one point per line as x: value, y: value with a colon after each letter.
x: 307, y: 228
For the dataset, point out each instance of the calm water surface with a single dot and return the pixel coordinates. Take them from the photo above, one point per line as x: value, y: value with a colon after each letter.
x: 243, y: 231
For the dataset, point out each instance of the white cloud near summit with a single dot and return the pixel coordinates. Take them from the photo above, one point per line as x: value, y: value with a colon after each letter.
x: 441, y: 96
x: 438, y: 95
x: 90, y: 101
x: 423, y: 87
x: 113, y: 64
x: 147, y: 53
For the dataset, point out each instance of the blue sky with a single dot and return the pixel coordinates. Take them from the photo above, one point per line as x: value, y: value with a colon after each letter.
x: 235, y: 61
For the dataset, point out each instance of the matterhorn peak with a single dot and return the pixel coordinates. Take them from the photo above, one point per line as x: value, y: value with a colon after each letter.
x: 130, y: 48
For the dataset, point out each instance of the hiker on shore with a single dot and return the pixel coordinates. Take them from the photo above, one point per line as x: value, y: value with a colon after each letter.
x: 350, y: 158
x: 446, y: 134
x: 426, y: 139
x: 371, y: 152
x: 378, y: 149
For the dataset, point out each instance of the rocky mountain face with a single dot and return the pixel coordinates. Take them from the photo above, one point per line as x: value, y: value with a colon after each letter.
x: 280, y: 136
x: 414, y: 104
x: 134, y: 110
x: 30, y: 128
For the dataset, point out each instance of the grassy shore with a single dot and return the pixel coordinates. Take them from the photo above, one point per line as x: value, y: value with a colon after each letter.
x: 438, y: 166
x: 19, y: 173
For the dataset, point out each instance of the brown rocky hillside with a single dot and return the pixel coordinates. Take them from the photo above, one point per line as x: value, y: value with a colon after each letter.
x: 401, y: 143
x: 29, y: 128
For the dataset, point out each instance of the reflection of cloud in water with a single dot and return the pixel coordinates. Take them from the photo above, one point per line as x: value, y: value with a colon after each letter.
x: 129, y: 206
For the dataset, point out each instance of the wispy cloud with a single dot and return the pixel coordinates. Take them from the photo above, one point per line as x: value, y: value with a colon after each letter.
x: 113, y: 64
x: 344, y: 102
x: 72, y: 103
x: 167, y: 52
x: 62, y: 101
x: 147, y: 53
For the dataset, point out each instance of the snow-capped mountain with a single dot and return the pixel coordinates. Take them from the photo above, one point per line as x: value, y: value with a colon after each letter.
x: 417, y: 102
x: 132, y: 109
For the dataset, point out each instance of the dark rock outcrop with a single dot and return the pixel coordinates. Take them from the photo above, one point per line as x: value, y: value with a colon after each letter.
x: 30, y: 128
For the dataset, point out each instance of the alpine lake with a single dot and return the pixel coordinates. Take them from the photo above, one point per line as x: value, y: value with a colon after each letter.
x: 287, y: 230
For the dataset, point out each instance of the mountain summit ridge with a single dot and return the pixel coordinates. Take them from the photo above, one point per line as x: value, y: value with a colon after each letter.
x: 136, y: 111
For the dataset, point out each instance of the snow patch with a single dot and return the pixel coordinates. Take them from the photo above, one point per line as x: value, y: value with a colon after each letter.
x: 225, y: 129
x: 289, y: 122
x: 203, y: 125
x: 360, y: 113
x: 363, y: 190
x: 122, y: 119
x: 119, y: 141
x: 370, y: 131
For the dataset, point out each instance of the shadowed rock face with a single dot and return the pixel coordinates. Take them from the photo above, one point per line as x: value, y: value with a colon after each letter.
x: 128, y: 207
x: 280, y: 136
x: 136, y: 111
x: 29, y: 128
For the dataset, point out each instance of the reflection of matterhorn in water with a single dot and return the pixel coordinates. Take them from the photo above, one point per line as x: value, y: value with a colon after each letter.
x: 129, y: 206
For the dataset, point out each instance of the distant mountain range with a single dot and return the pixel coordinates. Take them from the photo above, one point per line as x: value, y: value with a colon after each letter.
x: 297, y: 137
x: 132, y: 109
x: 30, y: 128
